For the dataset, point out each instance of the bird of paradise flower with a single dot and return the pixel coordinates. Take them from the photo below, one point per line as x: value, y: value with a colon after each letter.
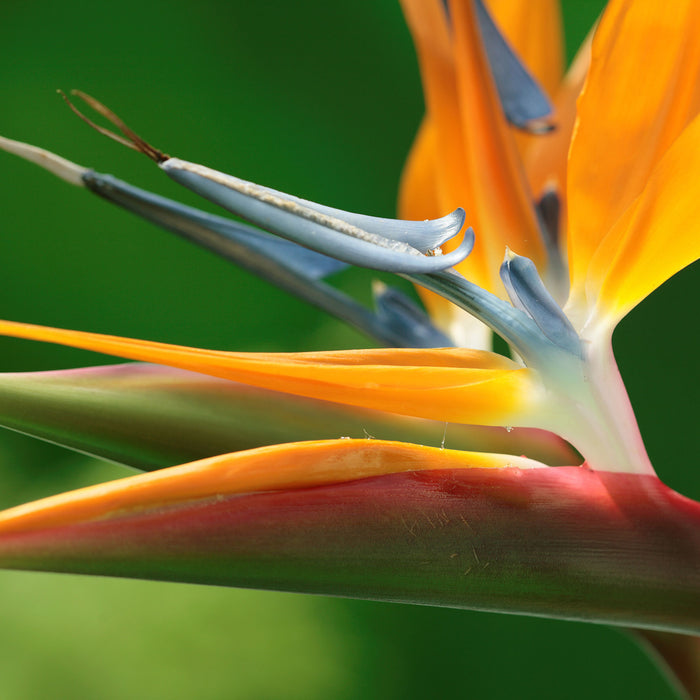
x: 454, y: 525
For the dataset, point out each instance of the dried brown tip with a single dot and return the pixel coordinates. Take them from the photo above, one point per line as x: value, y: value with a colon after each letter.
x: 132, y: 140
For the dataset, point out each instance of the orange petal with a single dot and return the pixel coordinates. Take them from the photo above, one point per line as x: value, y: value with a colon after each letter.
x: 443, y: 146
x: 546, y: 155
x: 655, y: 238
x: 279, y: 467
x: 535, y: 31
x: 418, y: 192
x: 476, y: 162
x: 435, y: 179
x: 461, y: 386
x: 643, y: 88
x: 419, y: 198
x: 503, y: 207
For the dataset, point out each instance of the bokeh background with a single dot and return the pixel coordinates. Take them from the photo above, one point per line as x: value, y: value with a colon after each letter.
x: 316, y: 98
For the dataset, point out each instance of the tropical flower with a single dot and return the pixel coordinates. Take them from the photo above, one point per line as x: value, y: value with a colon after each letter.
x: 550, y: 506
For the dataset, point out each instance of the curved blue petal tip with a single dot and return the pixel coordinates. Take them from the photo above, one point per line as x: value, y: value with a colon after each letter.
x: 410, y: 247
x: 528, y: 293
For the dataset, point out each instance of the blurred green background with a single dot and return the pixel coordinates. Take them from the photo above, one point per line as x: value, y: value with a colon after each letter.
x: 322, y: 100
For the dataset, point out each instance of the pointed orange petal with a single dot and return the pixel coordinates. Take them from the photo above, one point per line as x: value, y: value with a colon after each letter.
x: 275, y: 468
x: 534, y: 30
x: 419, y: 198
x: 435, y: 179
x: 477, y: 164
x: 418, y: 192
x: 503, y: 207
x: 545, y: 155
x: 431, y: 35
x: 655, y: 238
x: 462, y: 386
x: 642, y: 90
x: 445, y: 161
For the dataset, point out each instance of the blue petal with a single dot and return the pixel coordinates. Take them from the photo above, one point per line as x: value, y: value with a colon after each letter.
x: 378, y: 244
x: 528, y: 293
x: 424, y: 236
x: 514, y: 325
x: 406, y: 319
x: 524, y: 102
x: 243, y: 244
x: 287, y: 265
